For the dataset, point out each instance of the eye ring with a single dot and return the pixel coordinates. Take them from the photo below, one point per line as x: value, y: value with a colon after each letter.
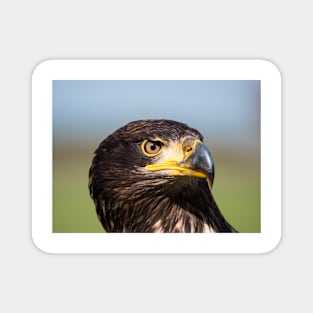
x: 151, y: 147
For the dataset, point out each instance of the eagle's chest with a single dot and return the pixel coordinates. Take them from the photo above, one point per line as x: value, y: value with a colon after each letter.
x: 182, y: 222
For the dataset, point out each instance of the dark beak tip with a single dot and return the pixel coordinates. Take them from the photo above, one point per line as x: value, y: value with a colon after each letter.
x: 211, y: 180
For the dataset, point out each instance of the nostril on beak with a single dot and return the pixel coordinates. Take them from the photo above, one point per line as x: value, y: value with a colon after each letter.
x: 188, y: 149
x: 189, y: 144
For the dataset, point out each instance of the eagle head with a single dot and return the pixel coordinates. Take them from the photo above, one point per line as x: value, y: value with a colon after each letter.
x: 155, y: 176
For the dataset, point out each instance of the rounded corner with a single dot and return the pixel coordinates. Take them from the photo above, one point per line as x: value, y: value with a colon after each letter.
x: 41, y: 66
x: 272, y: 67
x: 38, y: 245
x: 273, y: 245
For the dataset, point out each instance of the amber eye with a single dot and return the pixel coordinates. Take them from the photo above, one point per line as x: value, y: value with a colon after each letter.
x: 152, y: 147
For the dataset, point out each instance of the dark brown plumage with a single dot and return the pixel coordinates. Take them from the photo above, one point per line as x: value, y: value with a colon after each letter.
x: 155, y: 176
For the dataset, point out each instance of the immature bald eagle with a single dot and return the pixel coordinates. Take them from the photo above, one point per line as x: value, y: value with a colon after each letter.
x: 155, y: 176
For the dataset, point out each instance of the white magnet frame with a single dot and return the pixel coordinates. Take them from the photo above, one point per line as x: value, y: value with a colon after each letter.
x: 50, y: 70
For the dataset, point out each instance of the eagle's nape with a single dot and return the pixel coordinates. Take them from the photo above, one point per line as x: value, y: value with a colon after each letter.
x: 155, y: 176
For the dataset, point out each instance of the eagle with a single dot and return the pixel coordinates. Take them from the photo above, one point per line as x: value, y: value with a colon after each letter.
x: 155, y: 176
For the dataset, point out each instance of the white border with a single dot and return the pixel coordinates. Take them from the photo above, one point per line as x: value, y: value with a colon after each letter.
x: 50, y: 70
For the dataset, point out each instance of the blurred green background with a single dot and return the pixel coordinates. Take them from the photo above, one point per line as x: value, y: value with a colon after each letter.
x: 227, y: 113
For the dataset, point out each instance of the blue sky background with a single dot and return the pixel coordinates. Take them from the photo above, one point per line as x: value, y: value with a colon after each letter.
x: 225, y: 112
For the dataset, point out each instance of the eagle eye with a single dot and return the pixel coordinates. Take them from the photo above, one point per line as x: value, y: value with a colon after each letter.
x: 151, y: 147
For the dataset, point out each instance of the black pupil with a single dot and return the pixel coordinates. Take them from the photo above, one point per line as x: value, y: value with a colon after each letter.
x: 153, y: 146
